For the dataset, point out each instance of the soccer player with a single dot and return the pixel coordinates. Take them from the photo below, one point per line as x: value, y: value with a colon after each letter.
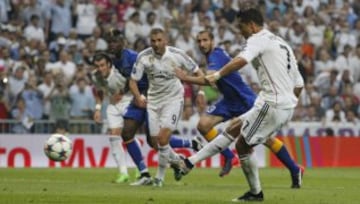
x: 237, y: 99
x: 132, y: 116
x: 165, y: 96
x: 281, y: 84
x: 109, y: 80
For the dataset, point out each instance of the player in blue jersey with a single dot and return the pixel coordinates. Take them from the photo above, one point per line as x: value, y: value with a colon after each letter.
x: 134, y: 116
x: 237, y: 99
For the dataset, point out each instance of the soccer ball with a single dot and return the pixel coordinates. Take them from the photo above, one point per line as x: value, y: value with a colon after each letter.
x: 58, y: 147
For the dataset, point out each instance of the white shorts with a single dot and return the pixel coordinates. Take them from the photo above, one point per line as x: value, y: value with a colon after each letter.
x: 115, y: 114
x: 262, y: 122
x: 164, y: 115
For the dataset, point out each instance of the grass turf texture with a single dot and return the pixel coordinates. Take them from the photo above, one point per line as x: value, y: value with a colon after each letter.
x: 321, y: 186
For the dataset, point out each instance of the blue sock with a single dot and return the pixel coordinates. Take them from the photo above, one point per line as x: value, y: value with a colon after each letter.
x: 178, y: 142
x: 284, y: 156
x: 135, y: 153
x: 227, y: 153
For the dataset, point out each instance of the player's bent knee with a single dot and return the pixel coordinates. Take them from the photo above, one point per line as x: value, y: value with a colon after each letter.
x: 204, y: 127
x: 242, y: 147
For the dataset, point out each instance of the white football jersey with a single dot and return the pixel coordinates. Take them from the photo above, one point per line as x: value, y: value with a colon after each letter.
x: 115, y: 83
x: 276, y: 68
x: 163, y: 83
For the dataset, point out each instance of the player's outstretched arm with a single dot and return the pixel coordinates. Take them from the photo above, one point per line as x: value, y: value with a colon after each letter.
x: 235, y: 64
x: 197, y: 78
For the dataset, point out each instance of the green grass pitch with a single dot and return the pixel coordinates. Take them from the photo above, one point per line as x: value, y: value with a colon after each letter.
x: 321, y: 186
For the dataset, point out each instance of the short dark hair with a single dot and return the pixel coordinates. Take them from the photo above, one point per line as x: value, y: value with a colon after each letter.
x: 155, y: 31
x: 114, y: 34
x: 251, y: 15
x: 100, y: 56
x: 211, y: 35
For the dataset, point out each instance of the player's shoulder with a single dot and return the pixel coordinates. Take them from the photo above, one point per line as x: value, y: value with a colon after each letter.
x: 146, y: 52
x: 219, y: 53
x: 175, y: 50
x: 128, y: 51
x: 260, y: 37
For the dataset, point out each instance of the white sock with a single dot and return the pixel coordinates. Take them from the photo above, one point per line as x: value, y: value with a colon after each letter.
x: 217, y: 145
x: 164, y: 154
x: 118, y: 153
x: 173, y: 155
x: 251, y: 172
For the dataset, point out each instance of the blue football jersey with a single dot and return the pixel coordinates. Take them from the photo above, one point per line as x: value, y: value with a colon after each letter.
x: 125, y: 65
x: 233, y: 88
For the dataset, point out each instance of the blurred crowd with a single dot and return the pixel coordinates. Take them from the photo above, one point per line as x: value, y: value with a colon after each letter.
x: 46, y: 47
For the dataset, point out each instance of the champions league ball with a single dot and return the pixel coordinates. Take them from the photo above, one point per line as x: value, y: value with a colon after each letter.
x: 58, y: 147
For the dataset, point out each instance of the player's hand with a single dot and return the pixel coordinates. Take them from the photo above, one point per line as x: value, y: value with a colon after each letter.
x: 212, y: 78
x: 181, y: 74
x: 97, y: 116
x: 141, y: 101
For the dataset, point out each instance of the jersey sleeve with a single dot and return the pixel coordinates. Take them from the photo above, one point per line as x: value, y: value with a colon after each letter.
x: 187, y: 62
x: 138, y: 69
x: 254, y: 47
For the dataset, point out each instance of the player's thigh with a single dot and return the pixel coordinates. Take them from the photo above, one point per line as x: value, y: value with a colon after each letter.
x: 262, y: 122
x: 114, y: 116
x: 153, y: 120
x: 171, y: 114
x: 133, y: 118
x: 207, y: 121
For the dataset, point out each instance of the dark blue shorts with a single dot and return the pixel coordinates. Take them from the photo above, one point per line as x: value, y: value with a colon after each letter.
x: 227, y: 109
x: 136, y: 113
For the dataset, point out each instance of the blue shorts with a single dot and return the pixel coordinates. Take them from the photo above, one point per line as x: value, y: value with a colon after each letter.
x: 227, y: 109
x: 136, y: 113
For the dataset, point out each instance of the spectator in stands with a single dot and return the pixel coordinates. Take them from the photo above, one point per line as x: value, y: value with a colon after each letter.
x: 33, y: 98
x: 46, y: 87
x: 82, y: 104
x: 134, y: 28
x: 342, y: 60
x: 186, y: 42
x: 140, y: 44
x: 16, y: 83
x: 33, y: 30
x: 59, y: 99
x: 23, y: 118
x: 325, y: 80
x: 354, y: 64
x: 56, y: 46
x: 351, y: 117
x: 323, y: 61
x: 31, y: 9
x: 150, y: 23
x: 227, y: 11
x: 85, y: 12
x: 61, y: 19
x: 311, y: 114
x: 335, y: 114
x: 66, y: 66
x: 100, y: 43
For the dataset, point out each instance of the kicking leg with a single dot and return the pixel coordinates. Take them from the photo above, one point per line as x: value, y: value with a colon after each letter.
x: 206, y: 128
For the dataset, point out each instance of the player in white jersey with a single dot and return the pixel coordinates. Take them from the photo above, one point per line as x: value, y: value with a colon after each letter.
x: 281, y: 84
x: 165, y: 96
x: 110, y: 81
